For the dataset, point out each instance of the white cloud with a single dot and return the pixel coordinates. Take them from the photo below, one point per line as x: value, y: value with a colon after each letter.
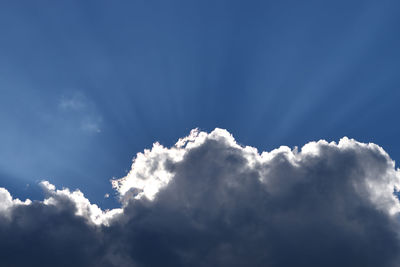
x: 150, y: 170
x: 91, y: 212
x: 7, y: 202
x: 84, y: 208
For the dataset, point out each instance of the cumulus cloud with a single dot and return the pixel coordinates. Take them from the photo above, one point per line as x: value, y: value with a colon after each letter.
x: 208, y: 201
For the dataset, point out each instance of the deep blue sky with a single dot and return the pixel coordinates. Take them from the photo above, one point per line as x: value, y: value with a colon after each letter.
x: 85, y: 85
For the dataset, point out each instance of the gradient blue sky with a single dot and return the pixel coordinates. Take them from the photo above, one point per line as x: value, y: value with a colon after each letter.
x: 85, y: 85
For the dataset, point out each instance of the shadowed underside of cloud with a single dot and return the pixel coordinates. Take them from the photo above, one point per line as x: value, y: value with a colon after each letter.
x: 208, y: 201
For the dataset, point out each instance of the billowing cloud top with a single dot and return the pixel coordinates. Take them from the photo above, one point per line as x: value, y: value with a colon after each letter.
x: 208, y: 201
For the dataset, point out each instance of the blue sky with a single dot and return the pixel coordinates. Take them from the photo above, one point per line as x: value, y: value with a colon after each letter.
x: 86, y: 85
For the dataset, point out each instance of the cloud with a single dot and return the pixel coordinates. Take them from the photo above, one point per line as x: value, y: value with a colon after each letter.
x: 208, y: 201
x: 81, y: 111
x: 74, y: 102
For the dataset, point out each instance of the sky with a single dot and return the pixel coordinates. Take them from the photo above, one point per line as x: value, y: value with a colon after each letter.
x: 86, y: 85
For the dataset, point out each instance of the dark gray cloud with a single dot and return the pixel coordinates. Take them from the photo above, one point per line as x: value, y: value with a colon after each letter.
x: 208, y: 201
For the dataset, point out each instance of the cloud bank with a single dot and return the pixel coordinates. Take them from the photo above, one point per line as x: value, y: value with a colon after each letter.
x: 208, y: 201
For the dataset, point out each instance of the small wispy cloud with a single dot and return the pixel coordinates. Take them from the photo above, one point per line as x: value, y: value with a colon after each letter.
x: 91, y: 124
x: 73, y: 103
x: 80, y: 109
